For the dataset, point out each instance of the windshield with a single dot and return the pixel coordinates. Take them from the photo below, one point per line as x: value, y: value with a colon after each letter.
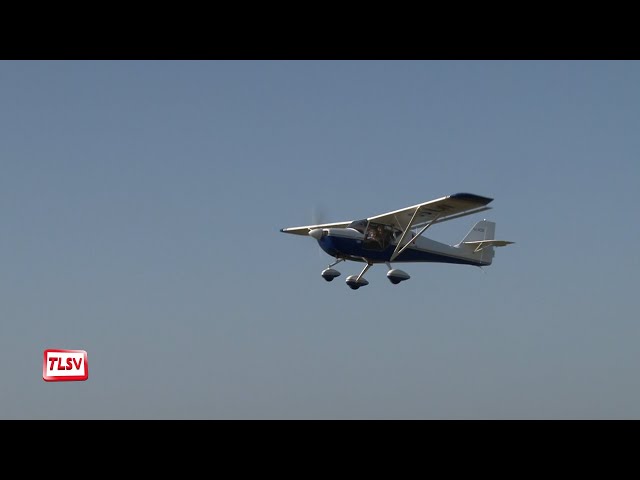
x: 359, y: 225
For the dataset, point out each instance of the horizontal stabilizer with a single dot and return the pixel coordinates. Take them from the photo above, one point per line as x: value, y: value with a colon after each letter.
x: 480, y: 244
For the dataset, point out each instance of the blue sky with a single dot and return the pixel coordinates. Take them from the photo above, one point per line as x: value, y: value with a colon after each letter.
x: 141, y: 203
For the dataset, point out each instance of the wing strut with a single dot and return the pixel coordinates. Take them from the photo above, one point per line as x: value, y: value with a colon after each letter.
x: 404, y: 234
x: 401, y: 248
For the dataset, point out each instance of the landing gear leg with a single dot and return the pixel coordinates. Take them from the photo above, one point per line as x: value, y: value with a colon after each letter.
x: 336, y: 262
x: 355, y: 282
x: 364, y: 270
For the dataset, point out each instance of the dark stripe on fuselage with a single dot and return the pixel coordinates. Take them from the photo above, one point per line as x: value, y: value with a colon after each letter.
x: 351, y: 248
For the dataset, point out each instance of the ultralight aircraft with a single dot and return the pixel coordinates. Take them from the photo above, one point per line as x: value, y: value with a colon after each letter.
x: 397, y: 237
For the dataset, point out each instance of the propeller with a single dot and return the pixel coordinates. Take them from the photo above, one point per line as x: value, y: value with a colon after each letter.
x: 317, y: 217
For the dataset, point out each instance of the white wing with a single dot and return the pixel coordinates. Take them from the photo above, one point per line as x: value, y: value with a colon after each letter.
x: 307, y: 228
x: 440, y: 209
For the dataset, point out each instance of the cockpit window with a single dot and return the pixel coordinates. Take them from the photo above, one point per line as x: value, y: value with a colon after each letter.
x: 359, y: 225
x: 378, y: 236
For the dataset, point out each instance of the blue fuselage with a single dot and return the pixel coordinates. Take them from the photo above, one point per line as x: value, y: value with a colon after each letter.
x: 352, y: 249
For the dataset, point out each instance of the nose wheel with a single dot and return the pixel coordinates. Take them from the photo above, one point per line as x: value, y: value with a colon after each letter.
x: 330, y: 273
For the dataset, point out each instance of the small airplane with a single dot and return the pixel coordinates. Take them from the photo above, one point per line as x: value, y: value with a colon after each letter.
x: 396, y: 237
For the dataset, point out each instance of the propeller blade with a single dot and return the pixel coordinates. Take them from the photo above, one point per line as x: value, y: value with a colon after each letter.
x: 317, y: 217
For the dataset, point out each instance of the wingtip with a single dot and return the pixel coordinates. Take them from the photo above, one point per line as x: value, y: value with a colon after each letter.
x: 472, y: 197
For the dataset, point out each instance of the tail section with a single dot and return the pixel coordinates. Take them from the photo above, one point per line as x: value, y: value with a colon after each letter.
x: 480, y: 241
x: 483, y: 230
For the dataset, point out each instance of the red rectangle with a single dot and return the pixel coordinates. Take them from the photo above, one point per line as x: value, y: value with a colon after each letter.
x: 64, y: 365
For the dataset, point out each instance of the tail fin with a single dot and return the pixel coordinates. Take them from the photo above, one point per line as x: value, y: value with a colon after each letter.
x: 480, y: 241
x: 483, y: 230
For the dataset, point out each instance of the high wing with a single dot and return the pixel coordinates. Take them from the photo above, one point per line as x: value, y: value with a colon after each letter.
x: 434, y: 211
x: 427, y: 213
x: 306, y: 229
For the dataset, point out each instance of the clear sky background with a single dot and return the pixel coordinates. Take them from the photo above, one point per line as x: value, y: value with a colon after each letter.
x: 140, y: 208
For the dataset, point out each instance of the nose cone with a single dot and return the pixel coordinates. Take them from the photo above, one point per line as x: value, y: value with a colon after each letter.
x: 316, y: 233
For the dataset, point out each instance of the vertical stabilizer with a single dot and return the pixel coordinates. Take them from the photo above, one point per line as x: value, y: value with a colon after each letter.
x: 483, y: 230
